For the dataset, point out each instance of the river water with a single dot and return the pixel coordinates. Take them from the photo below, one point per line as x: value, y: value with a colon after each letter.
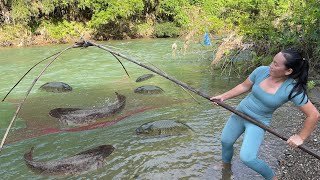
x: 95, y: 76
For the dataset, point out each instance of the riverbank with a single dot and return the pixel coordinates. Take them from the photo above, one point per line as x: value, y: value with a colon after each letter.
x: 40, y: 40
x: 295, y: 164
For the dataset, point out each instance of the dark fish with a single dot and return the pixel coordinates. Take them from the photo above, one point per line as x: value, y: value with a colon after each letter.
x: 56, y: 87
x: 58, y: 112
x: 82, y: 162
x: 148, y: 90
x: 76, y: 116
x: 144, y: 77
x: 164, y: 128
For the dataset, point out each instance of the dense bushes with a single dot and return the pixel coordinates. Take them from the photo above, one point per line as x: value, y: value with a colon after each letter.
x: 271, y: 25
x: 167, y: 29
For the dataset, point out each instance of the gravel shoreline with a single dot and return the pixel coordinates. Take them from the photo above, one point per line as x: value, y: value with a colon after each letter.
x: 295, y: 164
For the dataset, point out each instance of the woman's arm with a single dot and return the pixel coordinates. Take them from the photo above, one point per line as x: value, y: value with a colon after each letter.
x: 236, y: 91
x: 310, y: 124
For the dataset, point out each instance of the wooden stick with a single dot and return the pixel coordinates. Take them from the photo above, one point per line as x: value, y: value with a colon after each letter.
x: 29, y: 90
x: 244, y: 116
x: 121, y: 64
x: 26, y: 74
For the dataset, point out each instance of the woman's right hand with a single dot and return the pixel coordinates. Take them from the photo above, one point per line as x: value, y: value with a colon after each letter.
x: 218, y: 98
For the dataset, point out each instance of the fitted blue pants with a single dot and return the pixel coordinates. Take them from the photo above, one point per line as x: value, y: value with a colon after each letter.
x: 253, y: 137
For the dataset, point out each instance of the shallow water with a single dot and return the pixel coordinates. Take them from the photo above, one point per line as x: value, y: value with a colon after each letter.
x: 95, y: 75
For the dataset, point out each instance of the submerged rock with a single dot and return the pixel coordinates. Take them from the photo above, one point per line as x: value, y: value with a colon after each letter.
x: 82, y: 162
x: 56, y: 87
x: 164, y: 128
x: 144, y: 77
x: 148, y: 90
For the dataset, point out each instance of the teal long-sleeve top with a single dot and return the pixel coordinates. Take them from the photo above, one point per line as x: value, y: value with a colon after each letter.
x: 260, y: 104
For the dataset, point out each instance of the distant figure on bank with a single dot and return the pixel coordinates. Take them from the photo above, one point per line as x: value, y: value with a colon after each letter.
x: 174, y: 47
x: 185, y: 46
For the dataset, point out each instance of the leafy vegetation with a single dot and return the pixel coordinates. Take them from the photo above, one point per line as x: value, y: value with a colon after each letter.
x: 270, y: 25
x: 166, y: 29
x: 311, y: 84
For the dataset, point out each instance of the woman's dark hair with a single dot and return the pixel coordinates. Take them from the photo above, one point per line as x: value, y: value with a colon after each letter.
x: 300, y: 67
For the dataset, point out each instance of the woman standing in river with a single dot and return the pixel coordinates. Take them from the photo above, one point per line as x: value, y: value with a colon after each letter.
x: 271, y: 86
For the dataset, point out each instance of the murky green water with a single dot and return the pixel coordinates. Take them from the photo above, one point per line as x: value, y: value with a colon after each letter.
x: 95, y: 75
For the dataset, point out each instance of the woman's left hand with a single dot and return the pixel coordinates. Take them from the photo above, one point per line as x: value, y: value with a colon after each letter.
x: 295, y: 141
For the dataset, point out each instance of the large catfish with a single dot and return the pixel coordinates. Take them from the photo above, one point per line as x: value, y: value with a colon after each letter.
x: 82, y: 162
x: 77, y: 116
x: 164, y: 128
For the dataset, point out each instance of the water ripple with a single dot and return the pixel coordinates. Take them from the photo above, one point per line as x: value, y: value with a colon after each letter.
x: 95, y: 76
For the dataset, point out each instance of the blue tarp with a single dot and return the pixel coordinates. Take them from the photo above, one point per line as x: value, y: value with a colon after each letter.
x: 206, y: 39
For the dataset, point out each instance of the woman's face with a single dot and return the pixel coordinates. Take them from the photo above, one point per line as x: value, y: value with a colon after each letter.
x: 277, y: 67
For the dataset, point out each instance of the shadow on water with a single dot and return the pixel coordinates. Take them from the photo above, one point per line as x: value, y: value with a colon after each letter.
x: 95, y: 76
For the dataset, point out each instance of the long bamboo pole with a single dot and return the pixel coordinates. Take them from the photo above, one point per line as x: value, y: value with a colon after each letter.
x: 244, y: 116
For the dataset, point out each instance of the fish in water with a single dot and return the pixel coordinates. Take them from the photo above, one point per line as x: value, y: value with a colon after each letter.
x: 164, y: 128
x: 144, y: 77
x: 77, y: 116
x: 56, y: 87
x: 149, y: 90
x: 80, y: 163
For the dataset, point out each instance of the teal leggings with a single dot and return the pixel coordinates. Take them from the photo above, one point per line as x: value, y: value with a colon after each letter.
x: 253, y: 137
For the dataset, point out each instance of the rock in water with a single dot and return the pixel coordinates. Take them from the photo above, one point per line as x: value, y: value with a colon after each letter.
x: 148, y: 90
x: 80, y: 163
x: 56, y: 87
x: 164, y: 128
x: 144, y: 77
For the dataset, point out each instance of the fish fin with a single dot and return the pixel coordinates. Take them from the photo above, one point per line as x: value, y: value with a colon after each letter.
x: 28, y: 156
x: 121, y: 98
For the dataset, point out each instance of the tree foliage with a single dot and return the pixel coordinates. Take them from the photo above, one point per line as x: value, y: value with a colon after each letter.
x: 270, y: 24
